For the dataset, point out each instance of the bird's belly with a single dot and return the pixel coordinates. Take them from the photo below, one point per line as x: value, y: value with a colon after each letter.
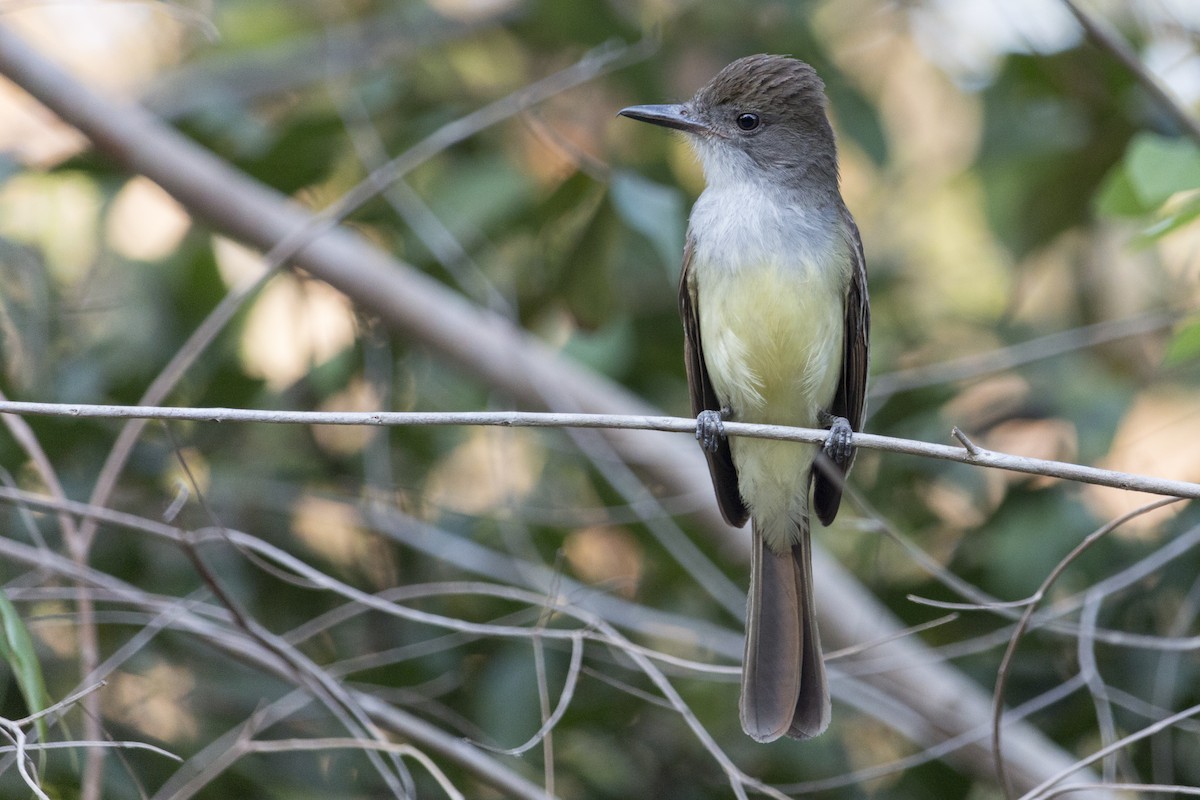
x: 772, y: 341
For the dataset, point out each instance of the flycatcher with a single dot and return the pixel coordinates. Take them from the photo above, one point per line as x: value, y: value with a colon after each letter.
x: 773, y: 297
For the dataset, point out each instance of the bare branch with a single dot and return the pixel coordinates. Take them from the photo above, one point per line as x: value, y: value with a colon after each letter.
x: 1023, y: 624
x: 970, y: 453
x: 1039, y: 792
x: 1139, y: 788
x: 977, y: 365
x: 296, y: 745
x: 1115, y: 46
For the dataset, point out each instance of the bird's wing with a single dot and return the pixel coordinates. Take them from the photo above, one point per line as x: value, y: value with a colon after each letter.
x: 704, y: 397
x: 850, y: 400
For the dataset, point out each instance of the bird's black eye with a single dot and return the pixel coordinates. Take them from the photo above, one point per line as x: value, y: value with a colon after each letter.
x: 748, y: 122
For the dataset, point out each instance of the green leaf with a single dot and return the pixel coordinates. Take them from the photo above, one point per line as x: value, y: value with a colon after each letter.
x: 480, y: 193
x: 1179, y: 217
x: 1158, y: 167
x: 1155, y: 170
x: 1185, y: 346
x: 608, y: 350
x: 1117, y: 196
x: 570, y: 253
x: 654, y: 210
x: 16, y: 647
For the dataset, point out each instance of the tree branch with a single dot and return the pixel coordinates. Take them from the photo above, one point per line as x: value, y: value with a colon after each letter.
x: 970, y: 453
x: 1115, y: 46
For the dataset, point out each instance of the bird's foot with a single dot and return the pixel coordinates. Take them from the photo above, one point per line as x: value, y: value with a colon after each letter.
x: 839, y: 445
x: 710, y: 428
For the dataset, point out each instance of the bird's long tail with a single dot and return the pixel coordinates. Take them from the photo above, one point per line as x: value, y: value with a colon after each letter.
x: 784, y: 689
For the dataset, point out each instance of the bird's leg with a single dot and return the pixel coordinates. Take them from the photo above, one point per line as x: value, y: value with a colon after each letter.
x: 710, y: 428
x: 838, y: 445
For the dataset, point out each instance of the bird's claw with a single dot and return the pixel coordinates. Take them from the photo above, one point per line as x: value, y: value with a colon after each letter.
x: 710, y: 429
x: 839, y: 444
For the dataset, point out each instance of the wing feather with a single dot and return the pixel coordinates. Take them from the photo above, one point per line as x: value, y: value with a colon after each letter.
x: 704, y: 397
x: 850, y: 399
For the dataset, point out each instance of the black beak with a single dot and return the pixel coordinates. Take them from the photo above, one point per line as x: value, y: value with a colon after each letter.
x: 672, y: 116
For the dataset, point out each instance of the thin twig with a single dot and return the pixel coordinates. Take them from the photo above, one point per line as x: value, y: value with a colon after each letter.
x: 847, y: 652
x: 978, y: 457
x: 942, y: 749
x: 972, y: 448
x: 322, y: 745
x: 69, y: 700
x: 977, y: 365
x: 596, y: 627
x: 1167, y: 674
x: 568, y: 692
x: 1039, y: 792
x: 660, y: 625
x: 1051, y: 619
x: 77, y: 545
x: 25, y: 768
x: 1138, y: 788
x: 112, y: 745
x: 234, y: 641
x: 1023, y: 624
x: 306, y: 673
x: 1089, y: 668
x: 1117, y: 47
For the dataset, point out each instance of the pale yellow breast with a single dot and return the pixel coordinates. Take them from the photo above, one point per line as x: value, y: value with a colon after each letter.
x: 773, y: 348
x: 772, y: 340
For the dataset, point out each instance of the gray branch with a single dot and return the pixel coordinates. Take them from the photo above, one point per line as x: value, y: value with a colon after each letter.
x: 970, y: 453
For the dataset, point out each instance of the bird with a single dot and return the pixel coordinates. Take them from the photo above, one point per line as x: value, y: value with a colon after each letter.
x: 776, y: 318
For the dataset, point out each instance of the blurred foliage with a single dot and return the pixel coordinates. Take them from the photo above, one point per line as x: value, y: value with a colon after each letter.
x: 18, y: 651
x: 1046, y: 197
x: 1154, y: 171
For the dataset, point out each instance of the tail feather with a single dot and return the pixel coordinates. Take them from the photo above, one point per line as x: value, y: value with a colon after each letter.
x: 812, y: 706
x: 784, y: 689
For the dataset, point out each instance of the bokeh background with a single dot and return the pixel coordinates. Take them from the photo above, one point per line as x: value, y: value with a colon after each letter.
x: 1029, y: 216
